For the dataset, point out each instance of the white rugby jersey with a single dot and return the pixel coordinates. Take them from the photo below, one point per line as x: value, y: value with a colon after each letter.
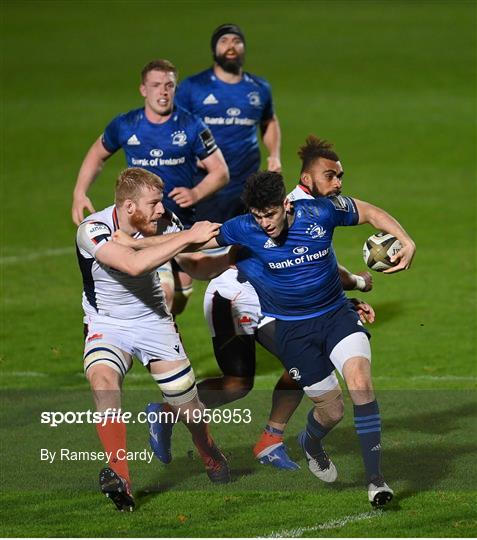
x: 107, y: 291
x: 300, y: 192
x: 229, y: 285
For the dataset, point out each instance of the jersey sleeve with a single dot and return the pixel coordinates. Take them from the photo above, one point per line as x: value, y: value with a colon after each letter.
x: 343, y: 210
x: 183, y: 96
x: 91, y: 236
x: 204, y: 144
x: 232, y: 232
x: 111, y: 135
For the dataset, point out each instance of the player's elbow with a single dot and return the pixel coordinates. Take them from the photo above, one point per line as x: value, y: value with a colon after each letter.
x: 224, y: 175
x: 134, y: 267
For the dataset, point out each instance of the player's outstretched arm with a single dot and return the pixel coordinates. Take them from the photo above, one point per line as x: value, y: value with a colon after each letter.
x: 362, y: 281
x: 217, y: 177
x: 90, y: 168
x: 120, y: 237
x: 135, y: 263
x: 383, y: 221
x: 271, y: 136
x: 205, y: 267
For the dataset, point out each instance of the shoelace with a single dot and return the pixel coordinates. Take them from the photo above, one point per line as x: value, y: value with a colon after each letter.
x: 323, y: 460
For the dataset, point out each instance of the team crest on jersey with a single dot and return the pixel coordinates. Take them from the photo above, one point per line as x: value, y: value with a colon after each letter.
x: 294, y: 374
x: 269, y: 244
x: 233, y: 111
x: 316, y: 231
x: 133, y: 140
x: 254, y: 99
x: 179, y: 138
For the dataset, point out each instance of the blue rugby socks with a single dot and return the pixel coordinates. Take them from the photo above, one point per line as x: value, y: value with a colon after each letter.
x: 315, y: 432
x: 367, y: 422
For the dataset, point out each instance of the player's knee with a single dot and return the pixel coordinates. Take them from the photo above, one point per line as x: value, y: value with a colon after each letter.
x: 329, y: 407
x: 357, y: 374
x: 178, y: 384
x: 335, y: 411
x: 103, y: 378
x: 239, y: 386
x: 181, y: 297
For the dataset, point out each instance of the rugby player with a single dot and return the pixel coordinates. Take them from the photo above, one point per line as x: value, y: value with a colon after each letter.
x: 126, y: 316
x: 233, y: 104
x: 289, y: 260
x: 168, y: 141
x: 232, y: 311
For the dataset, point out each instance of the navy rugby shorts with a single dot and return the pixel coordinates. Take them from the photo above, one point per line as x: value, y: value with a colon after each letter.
x: 304, y: 346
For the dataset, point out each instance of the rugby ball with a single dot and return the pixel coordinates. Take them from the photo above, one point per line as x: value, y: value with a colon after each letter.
x: 378, y: 250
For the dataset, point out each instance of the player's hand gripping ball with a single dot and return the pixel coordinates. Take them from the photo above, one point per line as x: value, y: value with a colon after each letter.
x: 378, y: 250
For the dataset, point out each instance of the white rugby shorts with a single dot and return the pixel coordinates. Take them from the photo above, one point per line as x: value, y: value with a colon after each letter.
x: 146, y: 338
x: 244, y: 303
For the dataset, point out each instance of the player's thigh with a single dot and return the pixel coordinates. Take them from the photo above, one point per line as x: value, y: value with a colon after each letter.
x: 158, y: 346
x: 265, y: 335
x: 157, y: 339
x: 300, y: 347
x: 232, y: 317
x: 106, y: 357
x: 346, y: 338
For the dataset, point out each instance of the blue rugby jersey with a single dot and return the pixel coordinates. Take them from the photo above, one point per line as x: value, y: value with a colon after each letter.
x: 232, y: 112
x: 295, y: 277
x: 169, y: 150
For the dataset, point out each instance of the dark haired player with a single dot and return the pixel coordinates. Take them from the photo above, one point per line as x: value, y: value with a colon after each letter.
x: 290, y: 262
x: 232, y: 311
x: 232, y: 103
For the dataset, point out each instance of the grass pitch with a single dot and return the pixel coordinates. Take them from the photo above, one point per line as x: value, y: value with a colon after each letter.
x: 392, y: 84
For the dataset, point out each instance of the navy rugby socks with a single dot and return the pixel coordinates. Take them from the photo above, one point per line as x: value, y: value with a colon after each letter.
x: 315, y: 433
x: 367, y: 422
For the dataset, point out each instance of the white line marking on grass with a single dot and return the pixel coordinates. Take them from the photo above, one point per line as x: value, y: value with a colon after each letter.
x: 333, y: 524
x: 57, y: 252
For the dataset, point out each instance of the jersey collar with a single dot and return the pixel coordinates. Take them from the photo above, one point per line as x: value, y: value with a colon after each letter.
x: 304, y: 188
x: 115, y: 219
